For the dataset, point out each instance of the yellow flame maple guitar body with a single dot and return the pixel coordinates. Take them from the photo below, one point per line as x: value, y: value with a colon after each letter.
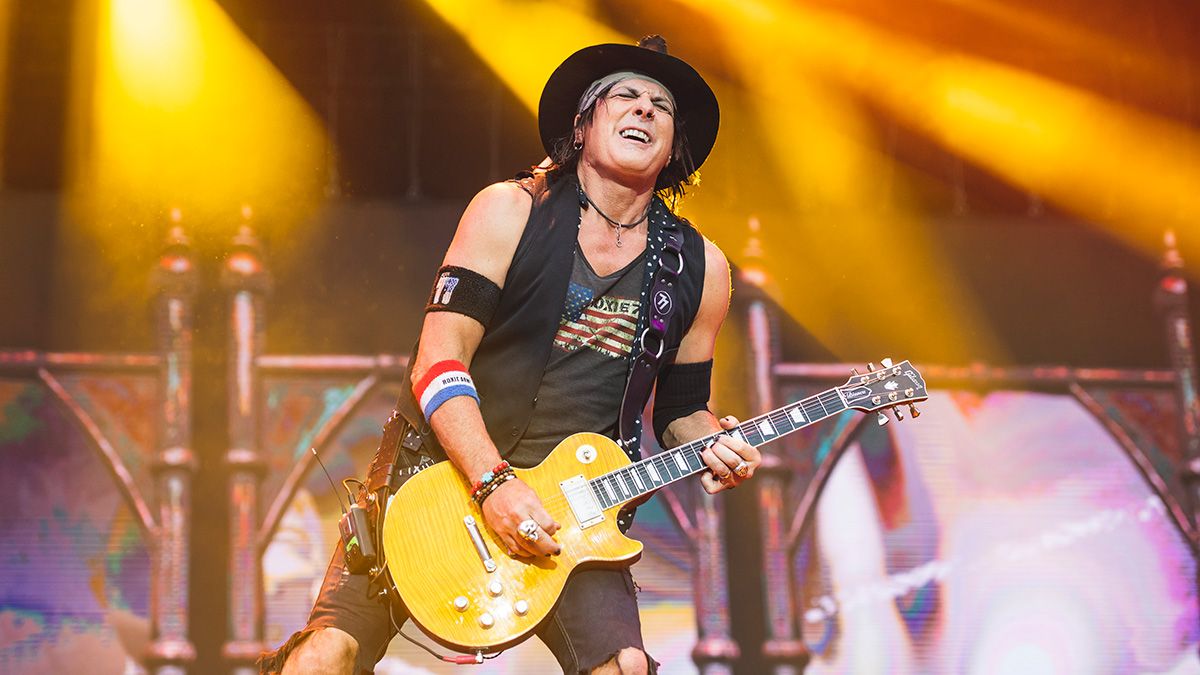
x: 466, y: 592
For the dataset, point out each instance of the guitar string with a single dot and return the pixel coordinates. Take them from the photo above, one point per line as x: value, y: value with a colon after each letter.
x: 746, y: 428
x: 828, y: 403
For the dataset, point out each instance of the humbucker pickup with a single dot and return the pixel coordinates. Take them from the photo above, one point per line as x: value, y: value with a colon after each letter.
x: 583, y: 503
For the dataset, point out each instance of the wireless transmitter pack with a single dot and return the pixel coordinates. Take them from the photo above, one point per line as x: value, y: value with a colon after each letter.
x: 356, y: 538
x: 355, y: 529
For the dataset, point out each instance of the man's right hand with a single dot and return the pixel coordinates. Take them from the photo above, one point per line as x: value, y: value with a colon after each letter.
x: 507, y: 506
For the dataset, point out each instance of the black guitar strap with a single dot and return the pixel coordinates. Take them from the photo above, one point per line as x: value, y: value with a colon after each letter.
x: 652, y: 341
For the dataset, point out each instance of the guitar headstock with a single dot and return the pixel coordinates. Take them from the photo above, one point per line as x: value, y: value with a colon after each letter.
x: 891, y: 386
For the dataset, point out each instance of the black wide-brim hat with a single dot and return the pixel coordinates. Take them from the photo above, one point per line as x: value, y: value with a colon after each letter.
x: 695, y: 102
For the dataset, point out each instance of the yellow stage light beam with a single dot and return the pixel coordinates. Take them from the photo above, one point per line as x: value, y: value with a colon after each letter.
x: 175, y: 108
x: 1114, y: 56
x: 840, y: 245
x: 522, y: 41
x: 1124, y: 170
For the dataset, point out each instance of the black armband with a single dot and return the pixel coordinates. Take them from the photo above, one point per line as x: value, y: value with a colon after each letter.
x: 683, y: 388
x: 465, y: 291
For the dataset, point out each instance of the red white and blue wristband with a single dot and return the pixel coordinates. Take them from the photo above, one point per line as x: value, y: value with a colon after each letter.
x: 445, y: 380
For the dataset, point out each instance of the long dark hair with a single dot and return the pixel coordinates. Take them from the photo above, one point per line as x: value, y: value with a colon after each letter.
x: 672, y: 180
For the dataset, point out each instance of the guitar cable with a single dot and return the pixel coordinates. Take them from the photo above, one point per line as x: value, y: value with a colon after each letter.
x: 458, y: 659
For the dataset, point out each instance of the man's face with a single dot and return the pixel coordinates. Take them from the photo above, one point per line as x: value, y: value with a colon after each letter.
x: 632, y: 131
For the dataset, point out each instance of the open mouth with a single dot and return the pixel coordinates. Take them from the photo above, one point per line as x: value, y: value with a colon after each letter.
x: 636, y: 135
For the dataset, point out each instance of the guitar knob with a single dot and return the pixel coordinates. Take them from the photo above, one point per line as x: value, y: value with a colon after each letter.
x: 486, y: 620
x: 495, y: 588
x: 887, y: 363
x: 461, y: 603
x: 521, y: 607
x: 912, y: 410
x: 883, y: 419
x: 899, y: 415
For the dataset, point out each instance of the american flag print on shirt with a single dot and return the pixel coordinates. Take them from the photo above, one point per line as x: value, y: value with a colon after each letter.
x: 606, y: 325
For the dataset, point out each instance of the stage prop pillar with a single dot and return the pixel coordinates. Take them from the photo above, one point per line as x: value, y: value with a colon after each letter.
x: 1172, y: 301
x: 781, y: 648
x: 172, y: 652
x: 247, y: 284
x: 715, y: 649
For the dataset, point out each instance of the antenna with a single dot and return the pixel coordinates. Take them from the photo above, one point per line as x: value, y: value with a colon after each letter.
x: 331, y: 483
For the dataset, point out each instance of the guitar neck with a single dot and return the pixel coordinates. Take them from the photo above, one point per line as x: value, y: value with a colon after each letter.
x: 628, y: 483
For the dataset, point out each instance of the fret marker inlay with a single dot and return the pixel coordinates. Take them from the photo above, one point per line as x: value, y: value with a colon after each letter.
x: 766, y: 428
x: 679, y: 460
x: 797, y: 416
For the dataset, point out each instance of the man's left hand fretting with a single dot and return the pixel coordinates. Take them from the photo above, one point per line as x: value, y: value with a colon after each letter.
x: 731, y: 460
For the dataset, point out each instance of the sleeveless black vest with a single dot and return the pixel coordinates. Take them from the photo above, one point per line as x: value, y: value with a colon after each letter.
x: 516, y: 346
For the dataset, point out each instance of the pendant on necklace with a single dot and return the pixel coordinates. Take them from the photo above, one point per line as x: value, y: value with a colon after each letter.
x: 619, y: 236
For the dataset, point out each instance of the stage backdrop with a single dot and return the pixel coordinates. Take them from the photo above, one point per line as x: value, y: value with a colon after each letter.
x: 1003, y: 533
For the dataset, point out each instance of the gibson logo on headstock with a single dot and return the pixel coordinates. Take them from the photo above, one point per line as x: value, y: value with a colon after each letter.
x: 855, y: 393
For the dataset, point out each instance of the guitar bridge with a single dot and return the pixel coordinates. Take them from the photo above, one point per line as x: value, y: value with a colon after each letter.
x: 583, y: 502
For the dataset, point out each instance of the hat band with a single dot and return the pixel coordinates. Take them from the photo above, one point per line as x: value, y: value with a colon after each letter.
x: 593, y: 91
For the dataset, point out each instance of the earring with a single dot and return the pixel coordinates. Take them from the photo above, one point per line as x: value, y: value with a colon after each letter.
x: 578, y: 144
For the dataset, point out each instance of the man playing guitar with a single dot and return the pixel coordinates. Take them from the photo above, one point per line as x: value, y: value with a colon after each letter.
x: 545, y: 300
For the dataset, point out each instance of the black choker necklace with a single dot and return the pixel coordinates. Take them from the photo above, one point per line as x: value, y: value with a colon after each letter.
x: 585, y: 200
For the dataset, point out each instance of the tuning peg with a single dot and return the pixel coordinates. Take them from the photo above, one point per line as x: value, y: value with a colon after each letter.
x: 870, y: 366
x: 899, y: 415
x: 912, y: 410
x: 854, y: 371
x: 887, y: 363
x: 883, y: 419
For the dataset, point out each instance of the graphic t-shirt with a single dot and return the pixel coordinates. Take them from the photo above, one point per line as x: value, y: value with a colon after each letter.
x: 585, y: 377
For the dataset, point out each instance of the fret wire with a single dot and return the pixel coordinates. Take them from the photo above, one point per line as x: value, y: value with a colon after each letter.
x: 806, y: 405
x: 598, y: 495
x: 822, y: 404
x: 778, y: 418
x: 833, y: 396
x: 634, y: 484
x: 669, y: 467
x: 644, y: 472
x: 616, y: 485
x: 619, y: 478
x: 640, y: 477
x: 630, y: 484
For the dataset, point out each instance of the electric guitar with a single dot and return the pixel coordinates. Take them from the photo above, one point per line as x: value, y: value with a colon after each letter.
x: 452, y: 572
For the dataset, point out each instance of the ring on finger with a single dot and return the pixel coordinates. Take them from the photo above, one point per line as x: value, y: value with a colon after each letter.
x: 742, y: 469
x: 528, y: 529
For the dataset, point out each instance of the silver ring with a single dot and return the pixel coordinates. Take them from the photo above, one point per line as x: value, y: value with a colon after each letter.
x: 528, y: 529
x: 742, y: 469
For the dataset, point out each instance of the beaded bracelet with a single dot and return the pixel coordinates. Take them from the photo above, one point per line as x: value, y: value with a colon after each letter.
x: 493, y: 485
x: 487, y: 477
